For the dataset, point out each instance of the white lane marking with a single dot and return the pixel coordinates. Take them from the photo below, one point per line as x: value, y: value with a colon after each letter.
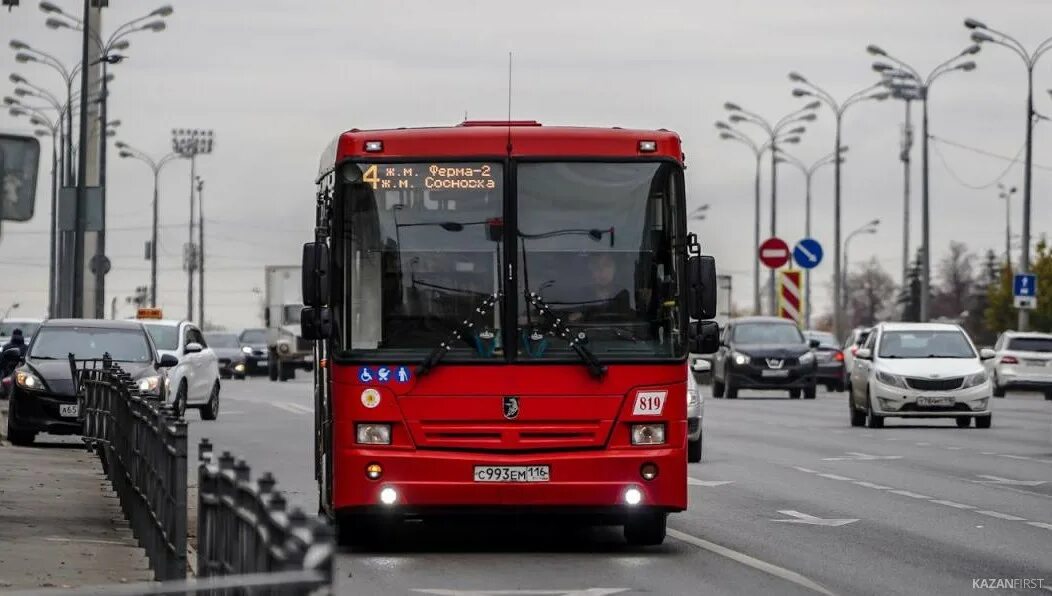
x: 744, y: 559
x: 1007, y: 481
x: 294, y: 408
x: 835, y: 477
x: 696, y: 482
x: 922, y: 444
x: 572, y: 592
x: 808, y: 470
x: 88, y: 541
x: 952, y: 504
x: 856, y: 456
x: 872, y: 485
x: 912, y: 495
x: 1040, y: 525
x: 954, y: 448
x: 987, y: 453
x: 803, y: 518
x: 999, y: 515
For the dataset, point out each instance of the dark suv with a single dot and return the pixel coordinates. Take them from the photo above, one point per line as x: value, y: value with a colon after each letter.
x: 765, y: 353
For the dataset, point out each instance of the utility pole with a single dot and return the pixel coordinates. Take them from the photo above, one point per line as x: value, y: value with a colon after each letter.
x: 201, y: 252
x: 190, y: 143
x: 907, y: 145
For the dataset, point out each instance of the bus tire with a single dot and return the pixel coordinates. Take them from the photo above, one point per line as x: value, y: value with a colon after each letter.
x: 646, y: 528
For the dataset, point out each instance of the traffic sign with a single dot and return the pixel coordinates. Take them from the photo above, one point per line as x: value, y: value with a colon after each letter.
x: 790, y: 302
x: 774, y: 252
x: 807, y: 253
x: 1024, y: 291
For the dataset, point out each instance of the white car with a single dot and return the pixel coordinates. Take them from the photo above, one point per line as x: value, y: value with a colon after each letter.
x: 695, y: 414
x: 920, y: 370
x: 852, y: 344
x: 194, y: 382
x: 1023, y: 361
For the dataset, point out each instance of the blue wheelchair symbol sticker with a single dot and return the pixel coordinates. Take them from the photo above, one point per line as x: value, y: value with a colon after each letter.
x: 365, y: 375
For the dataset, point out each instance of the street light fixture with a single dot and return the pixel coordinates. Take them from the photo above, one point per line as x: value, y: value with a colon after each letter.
x: 808, y: 89
x: 869, y: 227
x: 775, y: 134
x: 982, y: 33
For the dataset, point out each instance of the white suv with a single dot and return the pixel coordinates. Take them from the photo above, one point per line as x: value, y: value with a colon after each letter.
x: 920, y: 370
x: 194, y: 382
x: 1023, y: 361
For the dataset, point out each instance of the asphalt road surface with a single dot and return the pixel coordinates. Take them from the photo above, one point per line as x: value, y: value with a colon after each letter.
x: 788, y: 499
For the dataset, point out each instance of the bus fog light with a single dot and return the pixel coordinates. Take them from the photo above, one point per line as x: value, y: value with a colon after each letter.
x: 648, y: 471
x: 388, y: 496
x: 633, y: 496
x: 374, y: 434
x: 648, y: 434
x: 373, y: 471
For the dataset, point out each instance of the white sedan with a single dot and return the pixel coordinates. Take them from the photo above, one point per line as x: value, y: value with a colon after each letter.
x: 194, y: 382
x: 1023, y: 361
x: 920, y: 370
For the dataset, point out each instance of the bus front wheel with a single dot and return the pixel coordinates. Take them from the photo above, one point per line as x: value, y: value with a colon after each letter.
x: 646, y: 528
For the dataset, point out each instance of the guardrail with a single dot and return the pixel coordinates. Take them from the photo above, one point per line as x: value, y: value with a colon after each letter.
x: 142, y: 445
x: 247, y: 540
x: 243, y: 526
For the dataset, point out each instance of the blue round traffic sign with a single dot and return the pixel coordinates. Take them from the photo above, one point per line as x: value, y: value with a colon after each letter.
x: 807, y: 253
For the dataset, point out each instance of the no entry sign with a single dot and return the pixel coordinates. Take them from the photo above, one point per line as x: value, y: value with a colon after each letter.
x: 774, y: 253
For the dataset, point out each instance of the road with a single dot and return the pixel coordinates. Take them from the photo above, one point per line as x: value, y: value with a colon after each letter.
x: 788, y: 499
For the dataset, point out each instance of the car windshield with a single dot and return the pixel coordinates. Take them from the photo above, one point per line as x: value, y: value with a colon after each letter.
x: 222, y: 340
x: 825, y: 340
x: 1030, y: 344
x: 767, y: 333
x: 165, y: 337
x: 254, y: 336
x: 925, y: 344
x: 28, y: 328
x: 122, y: 345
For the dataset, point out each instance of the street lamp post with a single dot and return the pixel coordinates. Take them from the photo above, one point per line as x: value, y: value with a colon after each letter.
x: 908, y: 92
x: 981, y: 33
x: 809, y: 172
x: 774, y: 134
x: 728, y: 133
x: 201, y: 252
x: 127, y: 151
x: 190, y: 143
x: 1006, y: 194
x: 868, y: 228
x: 905, y: 72
x: 809, y: 89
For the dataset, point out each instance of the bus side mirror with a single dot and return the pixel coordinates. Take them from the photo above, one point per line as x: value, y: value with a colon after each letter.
x: 701, y: 291
x: 316, y: 323
x: 315, y: 274
x: 705, y: 337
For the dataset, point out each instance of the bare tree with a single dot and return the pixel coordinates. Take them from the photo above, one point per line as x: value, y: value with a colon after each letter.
x: 956, y: 282
x: 871, y: 294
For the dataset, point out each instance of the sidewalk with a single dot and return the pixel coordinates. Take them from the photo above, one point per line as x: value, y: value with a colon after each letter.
x: 60, y: 522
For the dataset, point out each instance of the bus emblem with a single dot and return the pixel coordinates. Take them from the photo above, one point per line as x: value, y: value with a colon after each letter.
x: 511, y: 407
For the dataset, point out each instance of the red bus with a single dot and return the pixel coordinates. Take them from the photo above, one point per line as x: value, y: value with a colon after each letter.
x: 503, y: 313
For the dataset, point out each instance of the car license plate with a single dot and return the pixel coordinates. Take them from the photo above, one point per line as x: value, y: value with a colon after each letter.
x: 68, y: 410
x: 261, y: 363
x: 936, y: 401
x: 511, y: 473
x: 775, y: 373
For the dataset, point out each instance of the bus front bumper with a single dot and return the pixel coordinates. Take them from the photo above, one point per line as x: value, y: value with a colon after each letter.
x: 426, y: 481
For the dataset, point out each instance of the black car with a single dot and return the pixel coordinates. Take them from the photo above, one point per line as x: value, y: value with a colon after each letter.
x: 254, y: 344
x: 229, y: 353
x: 830, y: 359
x: 765, y: 353
x: 43, y: 398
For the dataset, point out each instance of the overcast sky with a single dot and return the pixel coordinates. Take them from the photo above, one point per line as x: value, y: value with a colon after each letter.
x: 277, y: 80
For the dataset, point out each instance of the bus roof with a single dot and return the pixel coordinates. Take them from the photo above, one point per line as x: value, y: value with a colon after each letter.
x: 490, y: 139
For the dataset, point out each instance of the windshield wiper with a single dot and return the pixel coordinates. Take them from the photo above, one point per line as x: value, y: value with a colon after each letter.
x: 576, y: 342
x: 464, y: 329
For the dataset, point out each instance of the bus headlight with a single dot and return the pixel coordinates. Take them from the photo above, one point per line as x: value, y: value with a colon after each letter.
x: 648, y: 434
x: 374, y: 434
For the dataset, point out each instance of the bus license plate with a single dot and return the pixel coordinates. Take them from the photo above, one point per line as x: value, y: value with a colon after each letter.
x: 511, y: 473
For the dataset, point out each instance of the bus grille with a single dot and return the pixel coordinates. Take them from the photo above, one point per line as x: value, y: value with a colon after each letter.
x: 511, y: 436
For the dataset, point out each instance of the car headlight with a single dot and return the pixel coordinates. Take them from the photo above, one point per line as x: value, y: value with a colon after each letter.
x: 807, y: 358
x: 374, y: 434
x: 246, y: 349
x: 648, y: 434
x: 28, y: 380
x: 741, y: 359
x: 149, y: 384
x: 975, y: 380
x: 890, y: 379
